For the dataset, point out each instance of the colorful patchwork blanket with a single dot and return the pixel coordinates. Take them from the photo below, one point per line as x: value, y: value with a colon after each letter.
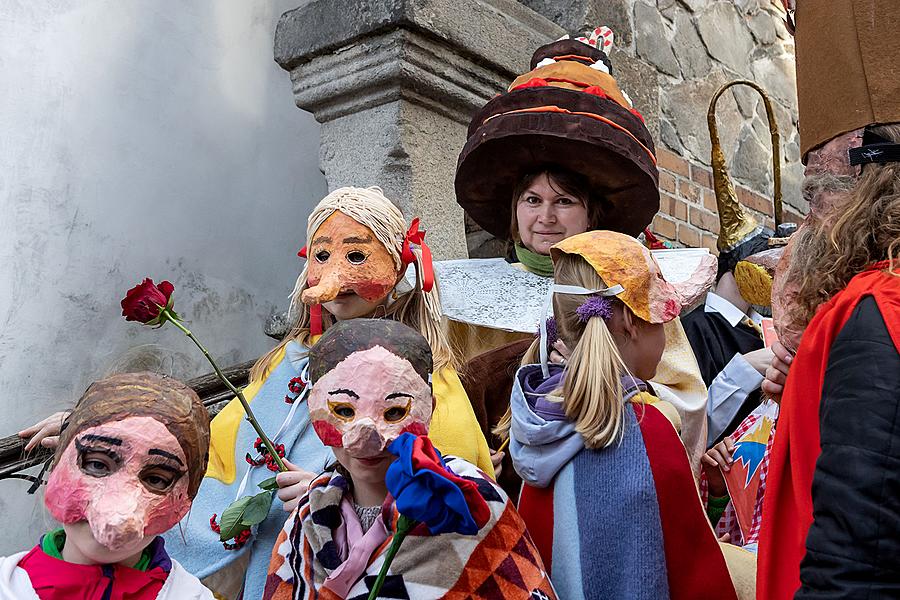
x: 322, y: 553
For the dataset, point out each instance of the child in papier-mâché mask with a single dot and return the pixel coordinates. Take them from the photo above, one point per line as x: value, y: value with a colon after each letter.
x: 358, y: 247
x: 372, y: 383
x: 130, y: 460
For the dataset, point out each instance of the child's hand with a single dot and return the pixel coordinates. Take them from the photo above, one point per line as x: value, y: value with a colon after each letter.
x: 760, y: 359
x: 560, y: 353
x: 45, y: 433
x: 293, y: 485
x: 497, y: 457
x: 717, y: 460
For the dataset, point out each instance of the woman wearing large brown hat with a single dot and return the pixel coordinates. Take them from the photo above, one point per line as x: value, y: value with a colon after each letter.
x: 567, y: 116
x: 562, y: 152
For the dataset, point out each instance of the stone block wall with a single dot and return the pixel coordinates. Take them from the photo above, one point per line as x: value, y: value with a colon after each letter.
x: 671, y: 56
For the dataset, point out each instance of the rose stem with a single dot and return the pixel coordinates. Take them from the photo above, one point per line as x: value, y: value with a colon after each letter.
x: 404, y: 525
x: 240, y: 395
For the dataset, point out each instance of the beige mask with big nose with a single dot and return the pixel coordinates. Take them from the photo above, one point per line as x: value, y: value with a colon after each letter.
x: 345, y: 256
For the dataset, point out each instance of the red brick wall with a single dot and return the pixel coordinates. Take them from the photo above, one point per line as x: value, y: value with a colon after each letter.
x: 687, y: 211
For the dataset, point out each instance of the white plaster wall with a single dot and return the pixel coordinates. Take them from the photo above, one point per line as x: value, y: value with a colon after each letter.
x: 139, y: 138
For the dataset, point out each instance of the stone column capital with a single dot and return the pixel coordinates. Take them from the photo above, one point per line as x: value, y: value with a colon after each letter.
x: 346, y: 56
x: 395, y: 83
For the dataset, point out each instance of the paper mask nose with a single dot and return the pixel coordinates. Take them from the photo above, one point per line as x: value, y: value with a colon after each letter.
x: 363, y: 440
x: 117, y: 520
x: 325, y: 290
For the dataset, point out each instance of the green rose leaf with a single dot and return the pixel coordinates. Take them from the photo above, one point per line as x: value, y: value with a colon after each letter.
x: 243, y: 514
x: 257, y: 509
x: 230, y: 523
x: 269, y: 484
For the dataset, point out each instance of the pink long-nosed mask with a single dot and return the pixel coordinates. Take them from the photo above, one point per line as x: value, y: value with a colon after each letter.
x: 368, y: 400
x: 127, y: 479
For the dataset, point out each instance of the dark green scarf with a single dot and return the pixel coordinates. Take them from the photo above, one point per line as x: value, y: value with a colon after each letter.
x: 539, y: 264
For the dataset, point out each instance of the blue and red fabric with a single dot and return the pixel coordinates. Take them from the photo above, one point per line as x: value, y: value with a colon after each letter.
x: 634, y: 509
x: 427, y: 491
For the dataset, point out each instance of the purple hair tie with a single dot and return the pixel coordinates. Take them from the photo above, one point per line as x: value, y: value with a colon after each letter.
x: 595, y: 306
x: 552, y: 332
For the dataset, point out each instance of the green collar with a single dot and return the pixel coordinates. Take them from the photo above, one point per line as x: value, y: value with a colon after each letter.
x: 539, y: 264
x: 54, y: 542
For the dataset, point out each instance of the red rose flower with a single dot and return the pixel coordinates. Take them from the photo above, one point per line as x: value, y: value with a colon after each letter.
x: 144, y: 302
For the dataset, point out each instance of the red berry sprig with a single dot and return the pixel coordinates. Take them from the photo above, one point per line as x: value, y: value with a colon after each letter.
x: 296, y: 387
x: 264, y: 457
x: 240, y: 540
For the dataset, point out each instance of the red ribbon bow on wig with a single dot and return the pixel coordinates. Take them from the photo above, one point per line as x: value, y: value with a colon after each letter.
x: 417, y: 237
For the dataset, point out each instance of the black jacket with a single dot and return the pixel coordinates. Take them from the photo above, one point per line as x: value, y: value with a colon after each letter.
x: 853, y: 545
x: 715, y: 342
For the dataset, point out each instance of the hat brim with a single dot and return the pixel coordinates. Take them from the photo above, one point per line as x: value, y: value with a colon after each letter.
x: 602, y: 144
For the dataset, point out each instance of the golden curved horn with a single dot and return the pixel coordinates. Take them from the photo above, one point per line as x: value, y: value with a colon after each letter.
x: 735, y: 224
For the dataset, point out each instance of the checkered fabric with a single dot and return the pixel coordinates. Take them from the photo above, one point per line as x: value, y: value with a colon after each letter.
x: 729, y: 523
x: 500, y: 562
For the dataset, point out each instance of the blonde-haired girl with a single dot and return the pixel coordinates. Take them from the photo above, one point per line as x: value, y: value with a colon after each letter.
x: 417, y: 308
x: 605, y: 472
x: 358, y: 249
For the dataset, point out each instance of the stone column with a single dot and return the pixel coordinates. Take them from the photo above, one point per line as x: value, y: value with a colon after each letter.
x: 394, y: 84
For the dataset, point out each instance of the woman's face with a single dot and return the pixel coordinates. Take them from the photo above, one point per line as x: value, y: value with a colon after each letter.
x: 546, y: 215
x: 117, y: 486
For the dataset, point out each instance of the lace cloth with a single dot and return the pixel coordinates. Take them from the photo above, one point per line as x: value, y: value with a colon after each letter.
x: 492, y: 293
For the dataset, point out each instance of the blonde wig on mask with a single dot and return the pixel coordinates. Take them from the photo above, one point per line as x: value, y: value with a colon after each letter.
x: 416, y: 308
x: 592, y: 390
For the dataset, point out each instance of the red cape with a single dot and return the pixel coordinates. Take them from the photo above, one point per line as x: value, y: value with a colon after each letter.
x: 695, y: 566
x: 787, y: 506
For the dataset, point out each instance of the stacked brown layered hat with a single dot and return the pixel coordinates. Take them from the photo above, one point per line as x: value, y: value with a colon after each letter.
x: 569, y: 112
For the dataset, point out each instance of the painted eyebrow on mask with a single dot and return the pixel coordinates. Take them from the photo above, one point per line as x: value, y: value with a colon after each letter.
x: 350, y: 393
x: 83, y: 449
x: 164, y: 454
x: 90, y: 437
x: 357, y: 240
x: 397, y: 395
x: 322, y: 239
